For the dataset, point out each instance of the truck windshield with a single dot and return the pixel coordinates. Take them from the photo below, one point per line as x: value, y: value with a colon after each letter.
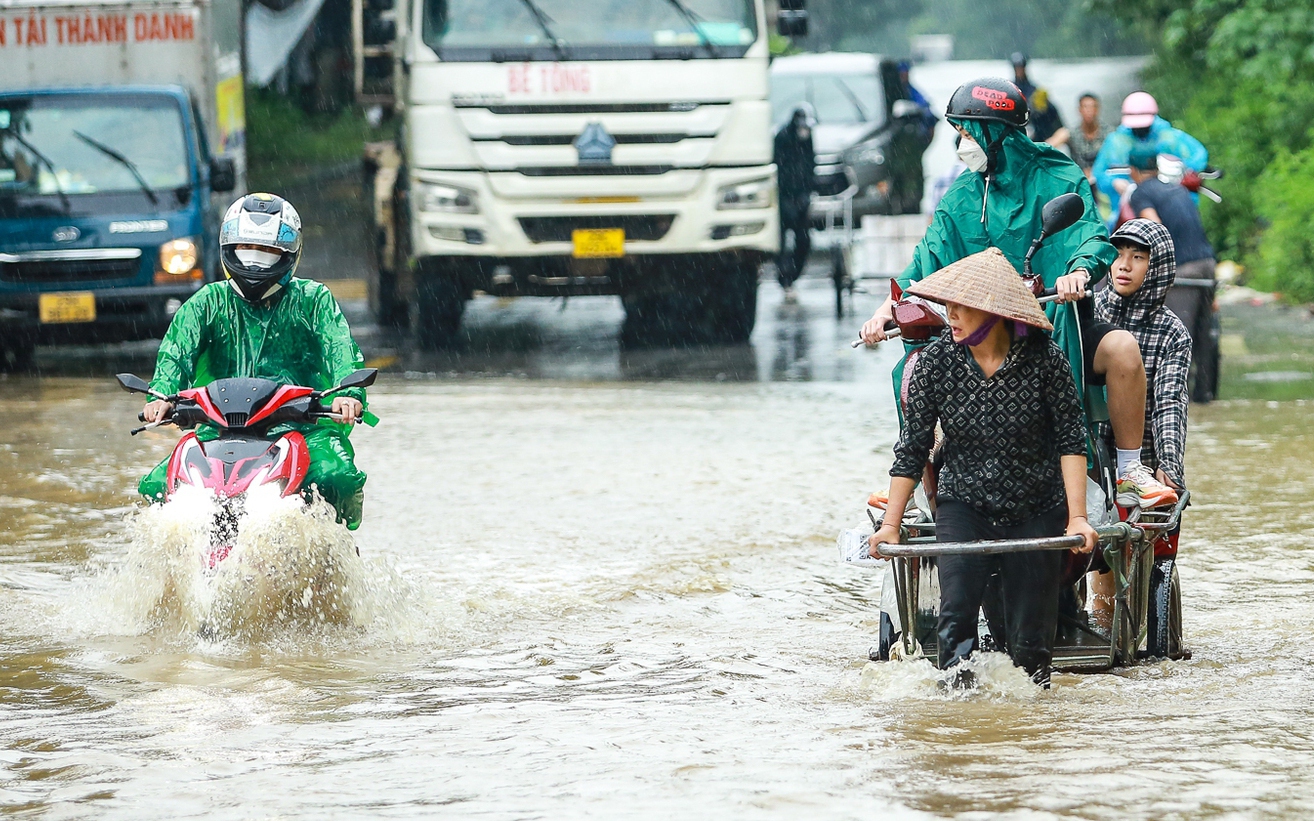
x: 67, y: 143
x: 483, y: 30
x: 838, y: 99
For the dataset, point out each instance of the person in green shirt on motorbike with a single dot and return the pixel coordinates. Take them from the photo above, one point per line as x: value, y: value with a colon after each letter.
x: 997, y: 203
x: 264, y: 322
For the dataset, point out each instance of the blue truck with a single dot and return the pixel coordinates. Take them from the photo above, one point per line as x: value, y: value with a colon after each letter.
x: 121, y: 140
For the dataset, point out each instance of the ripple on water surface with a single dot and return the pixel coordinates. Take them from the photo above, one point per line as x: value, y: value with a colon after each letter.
x: 583, y: 600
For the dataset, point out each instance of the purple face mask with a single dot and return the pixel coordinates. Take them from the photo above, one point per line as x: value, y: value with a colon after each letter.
x: 978, y: 336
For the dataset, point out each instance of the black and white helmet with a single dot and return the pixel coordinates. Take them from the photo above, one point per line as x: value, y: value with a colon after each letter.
x: 260, y: 245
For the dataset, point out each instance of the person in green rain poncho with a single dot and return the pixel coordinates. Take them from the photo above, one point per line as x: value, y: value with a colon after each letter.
x: 265, y: 323
x: 997, y: 203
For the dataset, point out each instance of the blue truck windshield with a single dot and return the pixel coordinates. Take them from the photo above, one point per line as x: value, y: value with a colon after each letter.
x: 588, y: 29
x: 91, y: 144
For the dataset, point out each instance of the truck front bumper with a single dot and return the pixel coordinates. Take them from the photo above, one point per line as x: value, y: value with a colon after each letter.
x: 674, y: 213
x: 122, y: 314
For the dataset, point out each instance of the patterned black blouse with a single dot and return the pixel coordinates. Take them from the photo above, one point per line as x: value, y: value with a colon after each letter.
x: 1004, y: 435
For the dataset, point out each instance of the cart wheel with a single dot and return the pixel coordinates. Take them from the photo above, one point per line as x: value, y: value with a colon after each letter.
x: 1159, y: 621
x: 1164, y: 622
x: 1176, y: 647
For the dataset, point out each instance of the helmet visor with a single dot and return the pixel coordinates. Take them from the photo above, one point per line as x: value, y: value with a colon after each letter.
x: 257, y: 259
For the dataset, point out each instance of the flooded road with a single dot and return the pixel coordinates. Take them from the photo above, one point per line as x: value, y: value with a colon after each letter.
x: 597, y: 584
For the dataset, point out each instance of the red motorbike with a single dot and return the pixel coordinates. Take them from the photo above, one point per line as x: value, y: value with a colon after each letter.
x: 242, y: 458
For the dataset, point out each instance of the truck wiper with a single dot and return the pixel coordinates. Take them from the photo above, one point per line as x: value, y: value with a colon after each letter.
x: 691, y: 17
x: 122, y: 160
x: 544, y: 23
x: 44, y: 160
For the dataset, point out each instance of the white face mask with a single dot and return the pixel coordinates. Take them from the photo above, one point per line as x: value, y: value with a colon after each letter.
x: 252, y: 258
x: 972, y: 154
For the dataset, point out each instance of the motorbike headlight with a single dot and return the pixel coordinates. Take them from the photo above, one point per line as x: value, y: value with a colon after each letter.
x: 751, y: 194
x: 450, y: 199
x: 178, y: 262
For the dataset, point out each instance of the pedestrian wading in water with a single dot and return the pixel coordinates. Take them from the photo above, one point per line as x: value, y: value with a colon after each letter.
x: 1014, y: 457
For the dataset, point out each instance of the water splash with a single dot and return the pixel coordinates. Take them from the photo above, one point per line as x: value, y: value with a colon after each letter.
x: 996, y: 680
x: 291, y: 567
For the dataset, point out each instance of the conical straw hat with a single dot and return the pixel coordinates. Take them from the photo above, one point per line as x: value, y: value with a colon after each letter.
x: 988, y: 282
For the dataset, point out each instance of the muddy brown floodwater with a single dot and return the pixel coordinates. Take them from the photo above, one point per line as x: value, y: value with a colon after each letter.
x: 622, y: 599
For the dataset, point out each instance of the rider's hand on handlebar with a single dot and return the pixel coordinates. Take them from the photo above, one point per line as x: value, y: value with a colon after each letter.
x: 156, y: 410
x: 1078, y: 526
x: 874, y: 329
x: 1072, y: 287
x: 888, y: 534
x: 347, y: 408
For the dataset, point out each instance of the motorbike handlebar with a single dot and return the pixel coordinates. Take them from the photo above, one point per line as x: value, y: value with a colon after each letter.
x: 1051, y: 295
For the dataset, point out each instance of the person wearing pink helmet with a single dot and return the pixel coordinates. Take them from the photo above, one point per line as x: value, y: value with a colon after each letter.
x: 1141, y: 125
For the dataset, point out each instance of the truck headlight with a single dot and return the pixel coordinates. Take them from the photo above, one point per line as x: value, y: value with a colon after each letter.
x: 178, y: 262
x: 449, y: 199
x: 751, y: 194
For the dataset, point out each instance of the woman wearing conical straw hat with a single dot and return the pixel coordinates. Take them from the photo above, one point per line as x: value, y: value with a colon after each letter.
x: 1014, y: 456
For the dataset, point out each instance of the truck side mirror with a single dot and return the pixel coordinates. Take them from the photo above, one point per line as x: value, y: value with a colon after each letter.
x: 792, y: 19
x: 223, y: 175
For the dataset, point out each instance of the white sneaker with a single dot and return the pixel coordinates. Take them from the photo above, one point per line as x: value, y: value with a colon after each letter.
x: 1137, y: 487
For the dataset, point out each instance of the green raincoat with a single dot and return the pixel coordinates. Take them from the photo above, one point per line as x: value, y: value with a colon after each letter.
x: 299, y: 338
x: 1027, y: 175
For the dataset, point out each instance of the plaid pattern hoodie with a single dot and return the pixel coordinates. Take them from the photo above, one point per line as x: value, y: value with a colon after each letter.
x: 1165, y: 347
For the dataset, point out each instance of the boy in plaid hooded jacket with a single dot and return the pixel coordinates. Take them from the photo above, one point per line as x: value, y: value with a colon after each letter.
x: 1140, y: 280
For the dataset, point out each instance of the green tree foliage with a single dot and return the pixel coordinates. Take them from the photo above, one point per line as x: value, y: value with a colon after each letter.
x: 1239, y: 74
x: 1285, y: 261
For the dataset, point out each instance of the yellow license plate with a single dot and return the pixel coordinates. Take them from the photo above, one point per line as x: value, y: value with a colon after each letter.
x: 593, y: 243
x: 79, y: 306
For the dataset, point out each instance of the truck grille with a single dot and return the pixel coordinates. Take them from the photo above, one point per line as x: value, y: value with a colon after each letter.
x: 90, y: 265
x: 569, y: 139
x: 595, y: 170
x: 645, y: 227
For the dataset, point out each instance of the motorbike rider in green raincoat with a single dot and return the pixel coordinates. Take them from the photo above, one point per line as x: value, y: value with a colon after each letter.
x: 263, y: 322
x: 997, y: 203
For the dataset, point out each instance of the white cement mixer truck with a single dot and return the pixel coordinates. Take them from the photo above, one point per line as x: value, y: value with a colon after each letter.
x: 579, y: 147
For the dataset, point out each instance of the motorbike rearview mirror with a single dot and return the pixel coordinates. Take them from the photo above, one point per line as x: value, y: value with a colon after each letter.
x: 362, y: 378
x: 135, y: 384
x: 1061, y: 213
x: 1058, y: 214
